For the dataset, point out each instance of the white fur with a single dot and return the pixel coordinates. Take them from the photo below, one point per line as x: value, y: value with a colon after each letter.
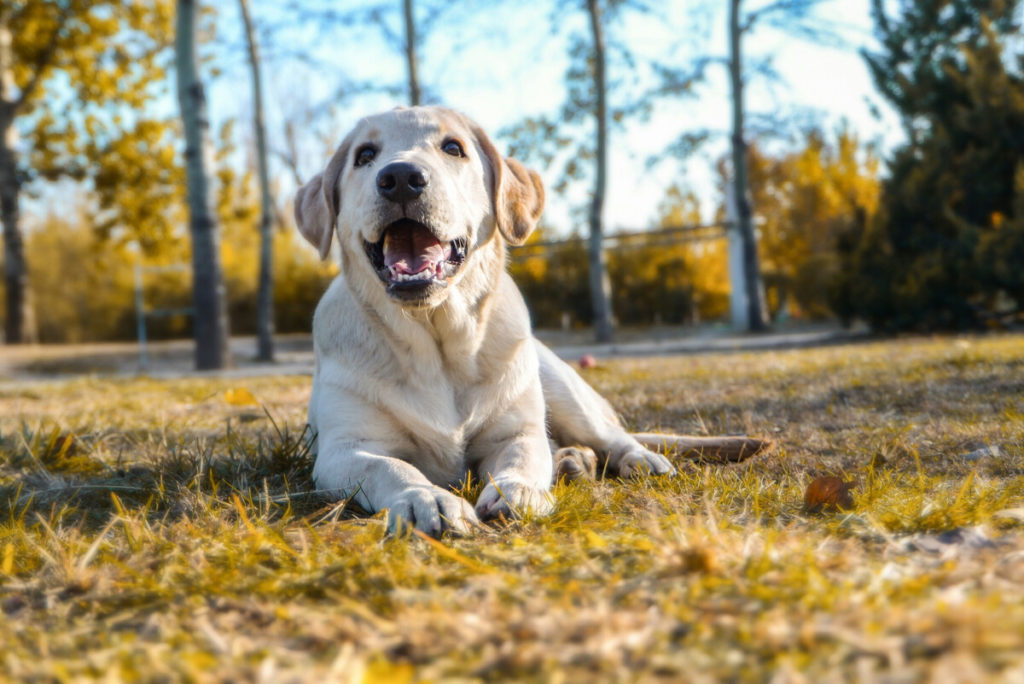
x: 409, y: 399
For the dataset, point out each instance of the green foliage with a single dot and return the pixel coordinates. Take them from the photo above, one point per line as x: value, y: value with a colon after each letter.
x: 939, y: 253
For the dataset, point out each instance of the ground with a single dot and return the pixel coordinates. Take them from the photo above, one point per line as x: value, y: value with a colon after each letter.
x: 167, y: 529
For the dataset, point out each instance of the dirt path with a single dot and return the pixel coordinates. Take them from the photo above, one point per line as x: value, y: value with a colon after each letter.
x: 294, y: 353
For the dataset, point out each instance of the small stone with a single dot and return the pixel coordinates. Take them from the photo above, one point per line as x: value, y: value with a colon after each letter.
x: 994, y: 451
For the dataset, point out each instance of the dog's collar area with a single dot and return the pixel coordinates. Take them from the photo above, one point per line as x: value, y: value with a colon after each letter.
x: 411, y: 261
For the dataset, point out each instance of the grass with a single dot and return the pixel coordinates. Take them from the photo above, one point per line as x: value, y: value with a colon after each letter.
x: 169, y: 530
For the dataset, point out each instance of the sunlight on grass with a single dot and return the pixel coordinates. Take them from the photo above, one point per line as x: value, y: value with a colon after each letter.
x: 158, y: 529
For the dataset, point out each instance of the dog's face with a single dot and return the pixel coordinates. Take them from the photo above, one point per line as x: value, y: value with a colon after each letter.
x: 414, y: 193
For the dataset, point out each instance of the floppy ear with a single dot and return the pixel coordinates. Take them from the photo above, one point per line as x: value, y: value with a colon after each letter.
x: 517, y: 192
x: 318, y: 201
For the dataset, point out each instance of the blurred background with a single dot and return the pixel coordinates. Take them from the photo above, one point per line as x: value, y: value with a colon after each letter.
x: 741, y: 164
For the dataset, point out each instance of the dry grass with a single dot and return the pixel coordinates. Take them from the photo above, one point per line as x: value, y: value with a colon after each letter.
x: 166, y: 530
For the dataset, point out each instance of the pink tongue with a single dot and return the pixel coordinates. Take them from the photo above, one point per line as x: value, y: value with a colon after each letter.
x: 411, y: 249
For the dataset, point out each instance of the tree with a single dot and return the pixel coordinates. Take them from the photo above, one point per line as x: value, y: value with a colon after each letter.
x: 600, y: 285
x: 265, y: 291
x: 576, y: 138
x: 410, y: 52
x: 210, y: 324
x: 108, y: 55
x: 791, y: 15
x: 939, y: 253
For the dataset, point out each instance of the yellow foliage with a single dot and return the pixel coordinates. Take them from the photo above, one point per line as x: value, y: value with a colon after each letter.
x: 81, y: 290
x: 802, y: 202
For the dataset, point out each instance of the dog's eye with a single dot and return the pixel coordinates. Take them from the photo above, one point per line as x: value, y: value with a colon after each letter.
x: 453, y: 147
x: 365, y: 155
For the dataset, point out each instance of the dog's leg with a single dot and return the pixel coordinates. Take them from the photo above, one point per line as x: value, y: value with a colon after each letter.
x: 577, y: 415
x: 359, y: 469
x: 513, y: 459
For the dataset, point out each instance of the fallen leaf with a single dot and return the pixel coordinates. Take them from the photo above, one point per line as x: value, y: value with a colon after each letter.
x: 828, y: 493
x: 239, y: 396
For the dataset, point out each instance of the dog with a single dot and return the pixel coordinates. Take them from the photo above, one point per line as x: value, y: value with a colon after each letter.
x: 426, y: 366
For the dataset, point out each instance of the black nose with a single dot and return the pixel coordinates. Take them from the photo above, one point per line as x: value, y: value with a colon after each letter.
x: 401, y: 182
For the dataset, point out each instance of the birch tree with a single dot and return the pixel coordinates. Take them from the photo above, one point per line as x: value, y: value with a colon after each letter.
x: 786, y: 15
x: 600, y: 284
x: 412, y: 70
x: 210, y: 321
x: 576, y: 138
x: 265, y: 288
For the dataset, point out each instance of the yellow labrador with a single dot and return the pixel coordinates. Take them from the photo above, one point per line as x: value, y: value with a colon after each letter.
x: 426, y: 367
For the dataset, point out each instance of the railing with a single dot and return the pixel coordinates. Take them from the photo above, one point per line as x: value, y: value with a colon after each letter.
x: 141, y: 313
x: 661, y: 237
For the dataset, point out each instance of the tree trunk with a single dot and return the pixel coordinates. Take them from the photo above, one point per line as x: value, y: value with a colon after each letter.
x: 410, y: 53
x: 15, y: 269
x: 600, y: 285
x: 265, y: 289
x: 209, y: 319
x: 755, y: 318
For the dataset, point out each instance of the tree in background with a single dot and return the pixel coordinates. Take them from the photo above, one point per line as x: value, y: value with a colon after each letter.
x: 210, y: 323
x: 412, y: 71
x: 600, y: 285
x: 265, y: 291
x: 939, y: 253
x: 576, y: 138
x: 96, y: 60
x: 793, y: 16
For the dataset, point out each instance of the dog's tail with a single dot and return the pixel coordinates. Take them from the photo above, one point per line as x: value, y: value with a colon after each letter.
x: 712, y: 449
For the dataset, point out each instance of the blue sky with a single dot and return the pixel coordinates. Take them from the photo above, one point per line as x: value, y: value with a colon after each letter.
x: 502, y: 61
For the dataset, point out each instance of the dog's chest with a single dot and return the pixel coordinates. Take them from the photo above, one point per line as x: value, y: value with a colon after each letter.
x: 439, y: 413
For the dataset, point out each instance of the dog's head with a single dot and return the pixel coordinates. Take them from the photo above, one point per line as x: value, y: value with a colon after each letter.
x: 413, y: 194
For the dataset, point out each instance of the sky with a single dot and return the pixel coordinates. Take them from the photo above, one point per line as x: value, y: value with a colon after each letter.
x: 502, y: 61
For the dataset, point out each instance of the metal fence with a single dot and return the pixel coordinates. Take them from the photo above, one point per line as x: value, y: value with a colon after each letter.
x: 661, y: 237
x: 141, y: 313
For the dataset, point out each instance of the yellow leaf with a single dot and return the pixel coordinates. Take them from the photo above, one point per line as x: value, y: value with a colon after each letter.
x: 594, y: 540
x: 383, y: 672
x: 8, y: 564
x: 239, y: 396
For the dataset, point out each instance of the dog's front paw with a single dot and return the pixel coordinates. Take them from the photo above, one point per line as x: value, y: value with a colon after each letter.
x: 431, y: 510
x: 512, y: 498
x: 640, y: 461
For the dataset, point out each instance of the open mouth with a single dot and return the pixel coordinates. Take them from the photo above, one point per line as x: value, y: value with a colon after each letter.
x: 411, y: 261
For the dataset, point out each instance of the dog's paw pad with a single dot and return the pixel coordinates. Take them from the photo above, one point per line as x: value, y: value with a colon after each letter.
x: 431, y: 510
x: 575, y: 463
x: 512, y: 499
x: 643, y: 462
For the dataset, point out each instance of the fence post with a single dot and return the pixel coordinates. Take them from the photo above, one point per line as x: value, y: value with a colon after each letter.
x: 737, y: 275
x: 140, y: 318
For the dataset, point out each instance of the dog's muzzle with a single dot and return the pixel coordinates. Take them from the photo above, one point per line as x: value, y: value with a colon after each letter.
x: 412, y: 262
